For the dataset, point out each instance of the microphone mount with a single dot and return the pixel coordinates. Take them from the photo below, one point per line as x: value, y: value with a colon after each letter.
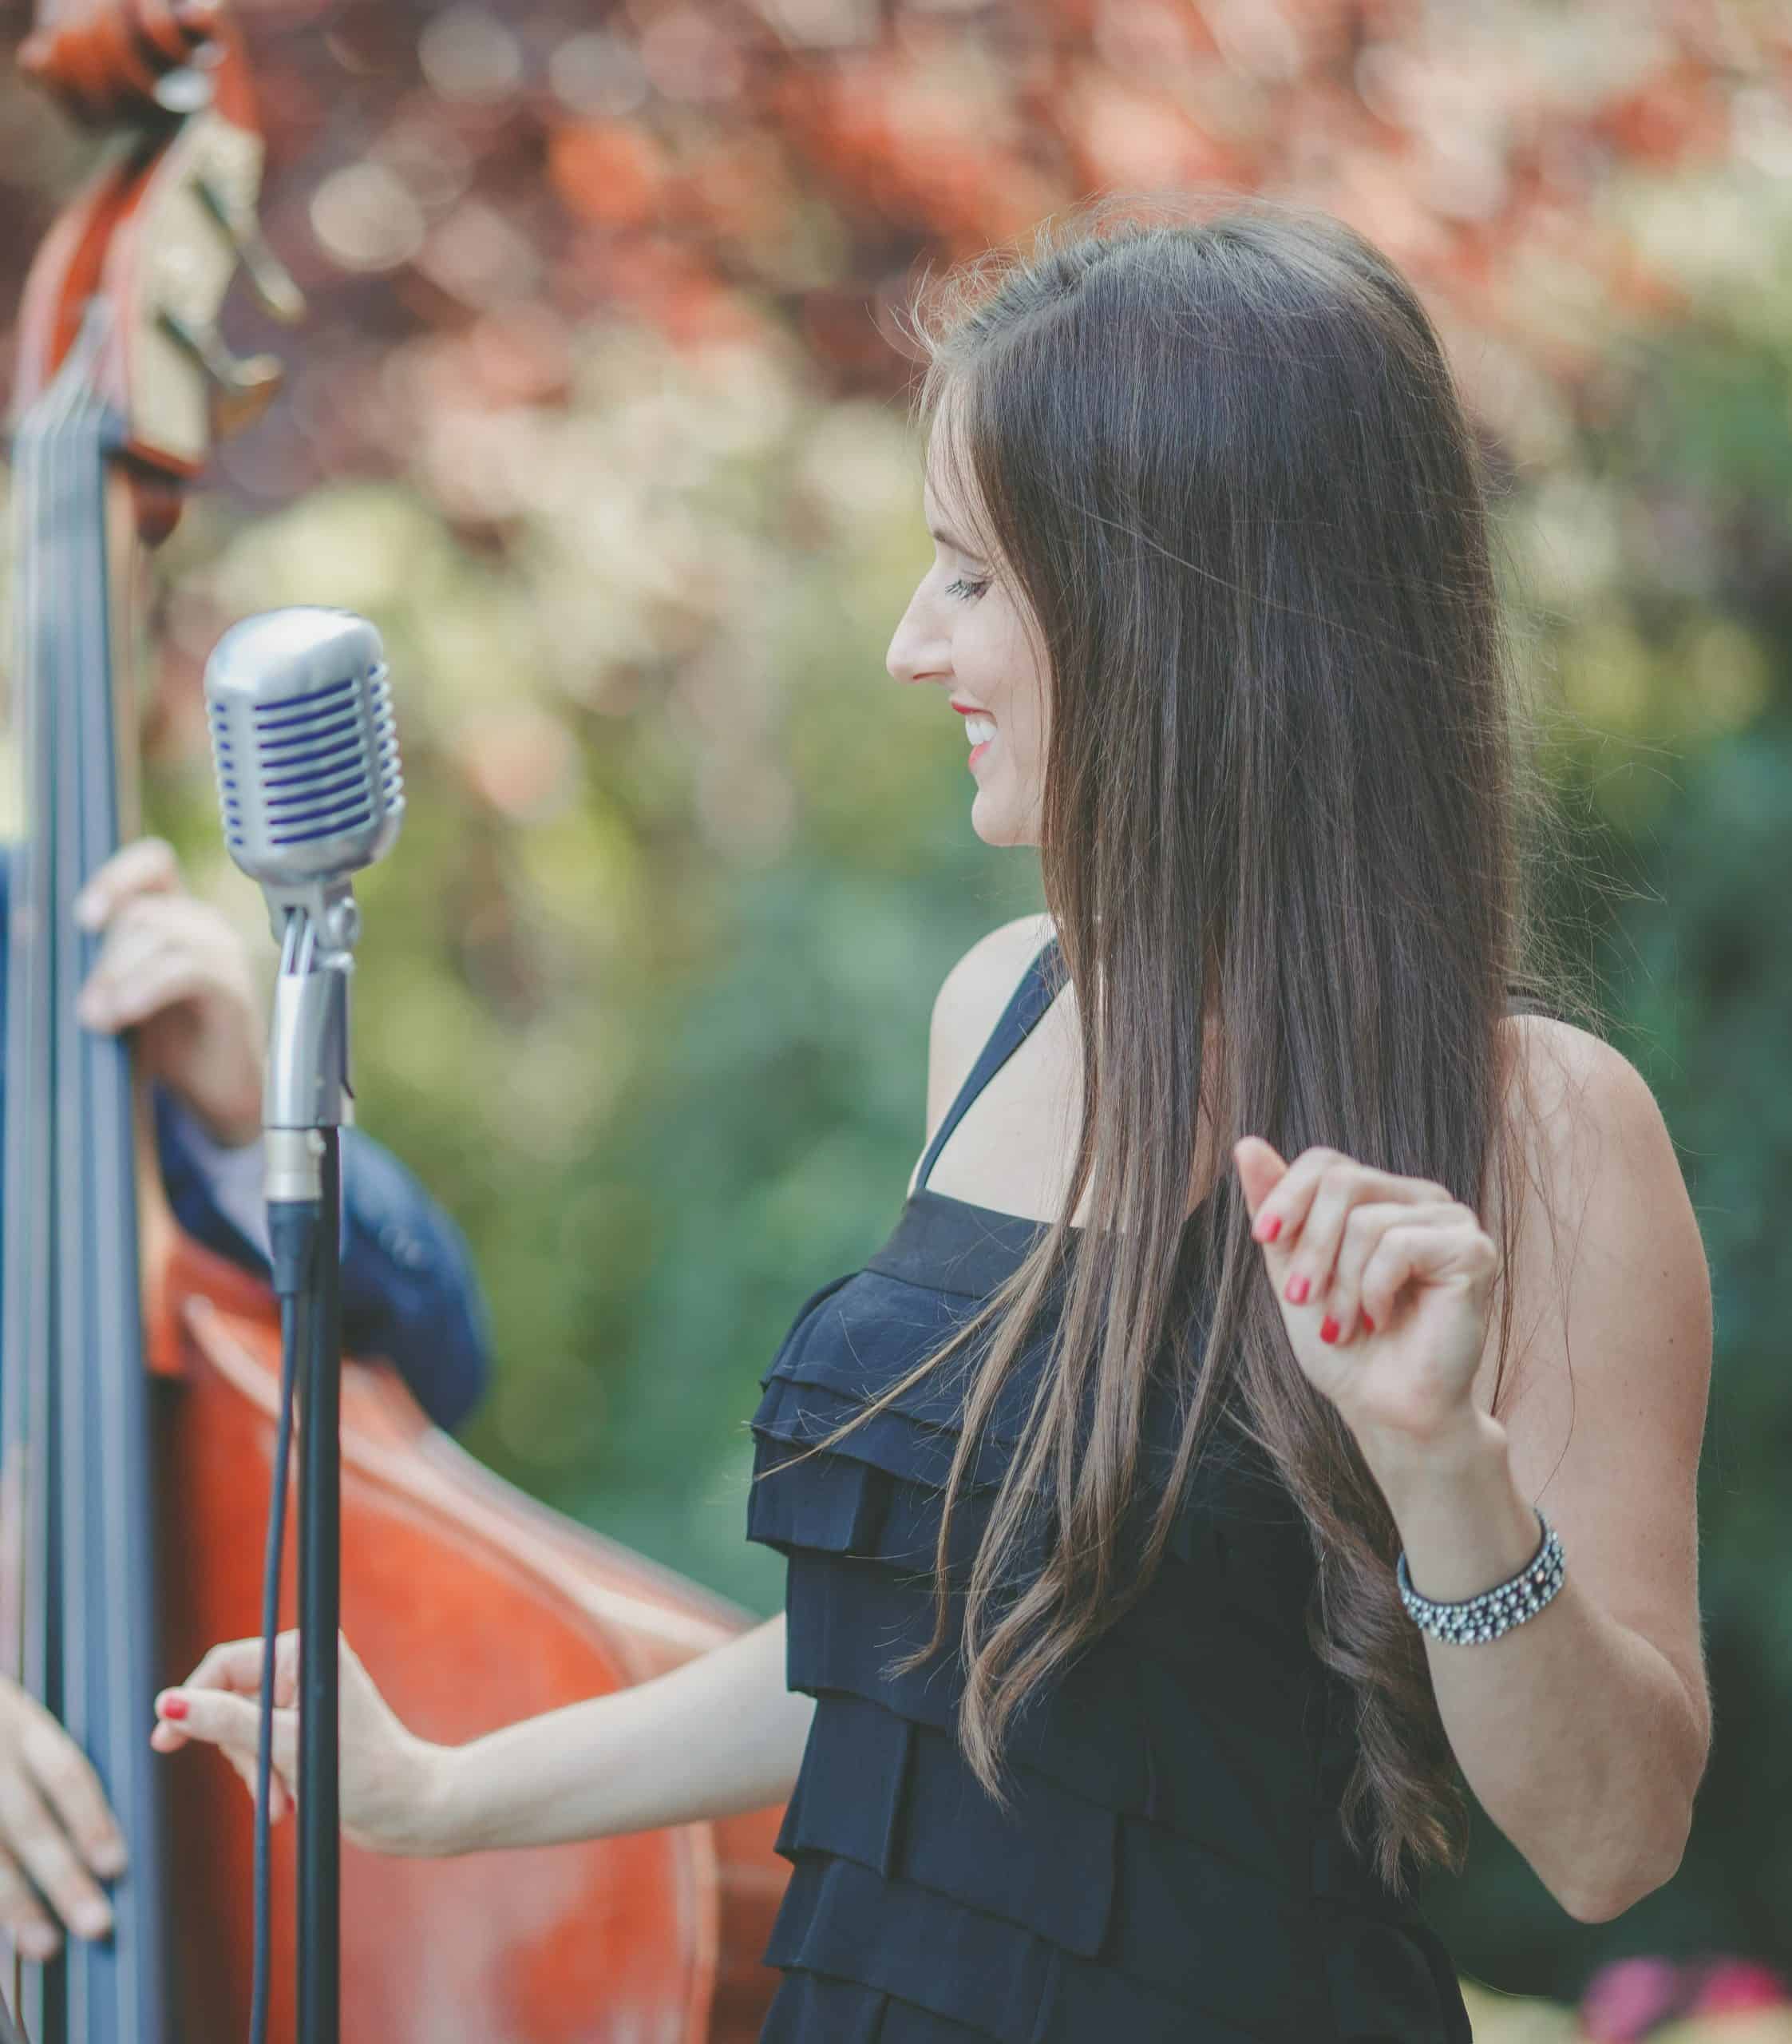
x: 305, y: 1087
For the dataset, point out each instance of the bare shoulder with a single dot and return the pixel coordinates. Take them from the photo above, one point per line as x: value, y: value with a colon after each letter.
x: 1605, y: 1407
x: 1602, y: 1209
x: 970, y: 997
x: 1593, y: 1129
x: 1601, y: 1176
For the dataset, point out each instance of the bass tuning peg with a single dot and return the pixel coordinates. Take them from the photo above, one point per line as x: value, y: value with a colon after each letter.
x: 243, y: 385
x: 269, y: 277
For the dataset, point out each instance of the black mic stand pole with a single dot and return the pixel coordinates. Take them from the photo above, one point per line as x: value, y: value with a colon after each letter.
x: 320, y: 1594
x: 307, y: 1099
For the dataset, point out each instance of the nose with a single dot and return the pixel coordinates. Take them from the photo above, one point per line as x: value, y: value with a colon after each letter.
x: 917, y: 652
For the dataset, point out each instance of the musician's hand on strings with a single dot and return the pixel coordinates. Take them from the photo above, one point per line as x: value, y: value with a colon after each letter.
x: 57, y: 1831
x: 173, y: 968
x: 386, y: 1773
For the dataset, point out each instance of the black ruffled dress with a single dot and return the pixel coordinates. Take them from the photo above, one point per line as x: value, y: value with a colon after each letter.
x: 1172, y: 1867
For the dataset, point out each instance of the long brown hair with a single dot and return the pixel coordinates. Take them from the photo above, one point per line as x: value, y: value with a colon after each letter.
x: 1290, y: 788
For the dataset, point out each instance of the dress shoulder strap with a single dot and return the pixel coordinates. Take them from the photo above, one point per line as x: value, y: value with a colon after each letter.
x: 1039, y: 986
x: 1042, y: 981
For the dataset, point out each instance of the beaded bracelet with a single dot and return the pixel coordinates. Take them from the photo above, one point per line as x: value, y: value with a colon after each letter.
x: 1496, y: 1610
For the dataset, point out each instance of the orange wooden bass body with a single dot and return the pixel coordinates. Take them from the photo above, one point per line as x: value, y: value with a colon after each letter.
x: 472, y: 1604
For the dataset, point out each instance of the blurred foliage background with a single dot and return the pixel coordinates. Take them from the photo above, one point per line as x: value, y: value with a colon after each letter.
x: 599, y: 412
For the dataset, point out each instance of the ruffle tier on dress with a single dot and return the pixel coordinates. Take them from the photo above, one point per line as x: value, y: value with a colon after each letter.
x: 1171, y: 1865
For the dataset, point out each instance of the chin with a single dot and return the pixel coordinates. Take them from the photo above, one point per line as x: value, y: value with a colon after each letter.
x: 997, y: 826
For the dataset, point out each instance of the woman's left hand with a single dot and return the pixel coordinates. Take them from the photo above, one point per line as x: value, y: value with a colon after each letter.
x: 1398, y: 1276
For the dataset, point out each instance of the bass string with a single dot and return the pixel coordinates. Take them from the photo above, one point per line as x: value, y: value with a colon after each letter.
x: 87, y: 1648
x: 121, y: 1657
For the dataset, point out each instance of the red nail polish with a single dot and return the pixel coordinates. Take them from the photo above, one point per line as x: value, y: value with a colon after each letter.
x: 1368, y: 1323
x: 1297, y: 1291
x: 174, y: 1706
x: 1328, y: 1329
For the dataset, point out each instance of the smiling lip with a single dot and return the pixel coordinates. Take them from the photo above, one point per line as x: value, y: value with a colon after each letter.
x: 977, y: 751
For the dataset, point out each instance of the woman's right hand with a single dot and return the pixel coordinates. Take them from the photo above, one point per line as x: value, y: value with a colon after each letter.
x: 387, y: 1776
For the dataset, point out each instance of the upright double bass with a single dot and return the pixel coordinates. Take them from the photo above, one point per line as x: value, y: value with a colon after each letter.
x: 139, y: 1373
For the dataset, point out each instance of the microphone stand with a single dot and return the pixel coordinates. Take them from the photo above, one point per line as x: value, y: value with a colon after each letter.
x: 305, y: 1100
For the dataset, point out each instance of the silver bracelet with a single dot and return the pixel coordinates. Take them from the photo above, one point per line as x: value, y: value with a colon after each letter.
x: 1496, y: 1610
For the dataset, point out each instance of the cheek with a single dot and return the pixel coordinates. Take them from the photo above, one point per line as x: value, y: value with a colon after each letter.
x: 1027, y: 720
x: 1003, y: 664
x: 995, y: 659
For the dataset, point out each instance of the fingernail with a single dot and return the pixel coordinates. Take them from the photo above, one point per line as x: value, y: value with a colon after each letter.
x: 171, y: 1706
x: 93, y: 1919
x: 1267, y: 1231
x: 1368, y: 1323
x: 108, y: 1857
x: 1328, y: 1329
x: 1297, y: 1291
x: 37, y: 1941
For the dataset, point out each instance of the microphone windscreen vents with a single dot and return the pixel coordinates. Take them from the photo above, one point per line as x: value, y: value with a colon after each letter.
x: 304, y: 744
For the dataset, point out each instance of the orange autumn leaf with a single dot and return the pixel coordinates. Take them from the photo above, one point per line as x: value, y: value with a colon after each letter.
x: 609, y: 172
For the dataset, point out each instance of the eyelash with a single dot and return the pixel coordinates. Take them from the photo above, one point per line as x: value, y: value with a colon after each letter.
x: 966, y: 590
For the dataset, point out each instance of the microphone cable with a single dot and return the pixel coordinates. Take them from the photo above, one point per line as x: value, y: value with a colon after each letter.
x: 292, y: 1226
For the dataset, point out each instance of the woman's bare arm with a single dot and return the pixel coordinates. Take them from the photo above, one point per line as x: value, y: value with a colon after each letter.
x: 1585, y: 1731
x: 719, y: 1735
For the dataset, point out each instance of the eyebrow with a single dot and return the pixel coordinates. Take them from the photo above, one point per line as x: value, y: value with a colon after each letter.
x: 951, y: 539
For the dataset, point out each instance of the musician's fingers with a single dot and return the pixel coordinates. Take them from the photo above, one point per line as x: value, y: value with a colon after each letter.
x: 123, y: 954
x: 23, y: 1917
x: 232, y: 1722
x: 285, y: 1697
x: 147, y: 866
x: 285, y: 1668
x: 154, y: 935
x: 235, y: 1665
x: 278, y: 1800
x: 282, y: 1775
x: 148, y: 922
x: 165, y: 1739
x: 66, y: 1778
x: 36, y: 1838
x: 213, y: 1716
x: 122, y: 950
x: 230, y: 1670
x: 144, y: 989
x: 279, y: 1796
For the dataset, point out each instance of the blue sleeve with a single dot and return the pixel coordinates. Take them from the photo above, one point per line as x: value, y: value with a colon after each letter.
x: 409, y: 1290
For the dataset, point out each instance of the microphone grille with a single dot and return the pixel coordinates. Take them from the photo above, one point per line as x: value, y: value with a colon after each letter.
x: 306, y: 747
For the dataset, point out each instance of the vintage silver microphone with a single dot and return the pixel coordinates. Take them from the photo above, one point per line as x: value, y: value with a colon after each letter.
x: 306, y: 757
x: 308, y: 780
